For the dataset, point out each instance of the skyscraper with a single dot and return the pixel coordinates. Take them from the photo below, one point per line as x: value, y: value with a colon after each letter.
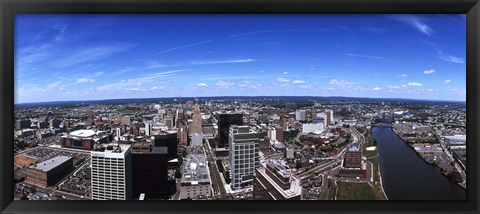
x: 243, y: 154
x: 301, y: 115
x: 224, y: 123
x: 196, y: 126
x: 150, y: 171
x: 169, y: 141
x: 112, y: 172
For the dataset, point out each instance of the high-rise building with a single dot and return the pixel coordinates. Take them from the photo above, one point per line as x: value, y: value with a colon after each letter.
x: 150, y: 171
x: 224, y: 123
x: 197, y: 139
x: 148, y: 128
x: 168, y: 140
x: 55, y: 123
x: 112, y: 172
x: 243, y: 155
x: 300, y: 115
x: 275, y: 181
x: 196, y: 126
x: 23, y: 124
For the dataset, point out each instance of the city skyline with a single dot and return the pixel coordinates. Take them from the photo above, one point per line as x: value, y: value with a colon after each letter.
x: 98, y: 57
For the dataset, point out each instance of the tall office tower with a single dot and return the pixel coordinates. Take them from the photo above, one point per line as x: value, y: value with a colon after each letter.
x: 243, y: 154
x: 224, y: 123
x: 168, y: 140
x: 300, y: 115
x: 111, y: 172
x: 148, y: 128
x: 150, y: 171
x: 23, y: 124
x: 275, y: 181
x: 196, y: 126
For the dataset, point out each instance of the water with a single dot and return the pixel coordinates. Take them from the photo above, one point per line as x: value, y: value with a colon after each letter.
x: 406, y: 176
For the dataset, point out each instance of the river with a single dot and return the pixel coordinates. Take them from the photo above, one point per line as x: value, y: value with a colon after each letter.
x: 408, y: 177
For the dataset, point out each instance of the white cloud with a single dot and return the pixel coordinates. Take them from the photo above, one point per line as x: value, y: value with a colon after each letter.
x: 376, y: 89
x: 92, y: 54
x: 224, y: 84
x: 306, y: 86
x: 298, y: 81
x: 202, y: 84
x: 394, y: 87
x: 431, y: 71
x: 96, y: 74
x: 416, y: 84
x: 447, y: 81
x: 341, y: 83
x: 282, y: 80
x: 84, y: 80
x: 285, y: 73
x: 223, y: 61
x: 451, y: 59
x: 402, y: 75
x: 132, y: 89
x: 363, y: 56
x: 156, y: 88
x: 418, y: 24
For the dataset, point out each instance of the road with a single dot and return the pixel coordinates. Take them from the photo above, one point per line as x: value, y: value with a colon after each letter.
x: 217, y: 183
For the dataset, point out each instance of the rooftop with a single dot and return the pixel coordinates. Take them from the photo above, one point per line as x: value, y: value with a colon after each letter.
x: 195, y: 168
x: 49, y: 164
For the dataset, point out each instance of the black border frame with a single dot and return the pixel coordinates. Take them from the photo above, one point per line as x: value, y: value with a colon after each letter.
x: 8, y: 9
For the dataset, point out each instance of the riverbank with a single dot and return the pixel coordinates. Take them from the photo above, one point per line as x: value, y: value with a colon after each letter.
x: 442, y: 171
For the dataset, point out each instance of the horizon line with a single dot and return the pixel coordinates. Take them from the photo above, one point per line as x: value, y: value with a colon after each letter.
x: 413, y: 99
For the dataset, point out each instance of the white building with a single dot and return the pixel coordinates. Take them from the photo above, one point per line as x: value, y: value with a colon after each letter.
x: 300, y: 115
x: 148, y: 128
x: 272, y: 133
x: 324, y: 116
x: 313, y: 127
x: 112, y: 172
x: 243, y: 154
x: 197, y: 139
x: 196, y: 181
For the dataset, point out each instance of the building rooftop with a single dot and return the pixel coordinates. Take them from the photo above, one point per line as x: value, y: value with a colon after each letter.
x: 295, y: 184
x: 49, y: 164
x: 355, y: 147
x: 112, y: 150
x: 195, y: 168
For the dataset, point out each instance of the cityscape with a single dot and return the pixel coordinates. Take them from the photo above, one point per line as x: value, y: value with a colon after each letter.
x: 306, y: 107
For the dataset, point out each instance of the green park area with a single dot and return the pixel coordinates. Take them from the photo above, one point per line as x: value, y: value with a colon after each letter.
x: 358, y: 191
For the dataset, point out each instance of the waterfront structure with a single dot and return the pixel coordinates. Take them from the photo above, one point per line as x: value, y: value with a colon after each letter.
x: 85, y: 139
x: 195, y: 182
x: 111, y: 170
x: 275, y: 181
x: 224, y: 123
x: 243, y: 155
x: 353, y: 165
x: 150, y: 171
x: 49, y: 172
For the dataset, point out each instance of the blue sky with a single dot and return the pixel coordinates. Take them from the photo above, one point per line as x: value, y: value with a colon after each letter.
x: 94, y: 57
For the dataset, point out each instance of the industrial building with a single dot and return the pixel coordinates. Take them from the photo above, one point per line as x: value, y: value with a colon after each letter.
x: 49, y: 172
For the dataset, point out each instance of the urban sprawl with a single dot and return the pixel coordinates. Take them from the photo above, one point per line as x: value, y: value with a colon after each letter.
x: 225, y: 148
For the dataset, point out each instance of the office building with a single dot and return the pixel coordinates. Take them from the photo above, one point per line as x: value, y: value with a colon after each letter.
x: 150, y: 171
x: 126, y: 120
x: 224, y: 123
x: 352, y: 165
x: 275, y: 181
x: 300, y: 115
x: 197, y: 139
x: 243, y: 155
x: 23, y: 124
x: 55, y: 123
x: 195, y: 181
x: 111, y: 171
x: 49, y: 172
x: 196, y: 126
x: 168, y: 140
